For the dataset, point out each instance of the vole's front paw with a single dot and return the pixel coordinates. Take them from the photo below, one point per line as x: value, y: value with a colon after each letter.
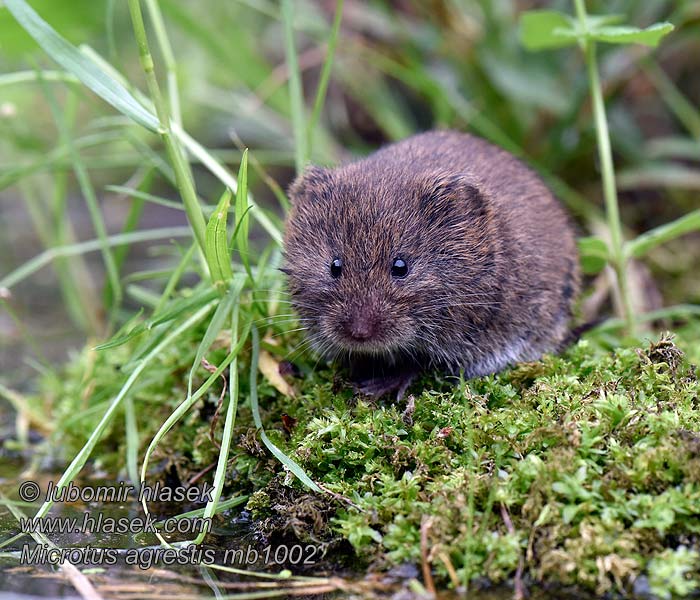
x: 381, y: 386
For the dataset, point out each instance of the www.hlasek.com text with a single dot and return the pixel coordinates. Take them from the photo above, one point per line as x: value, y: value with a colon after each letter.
x: 99, y: 523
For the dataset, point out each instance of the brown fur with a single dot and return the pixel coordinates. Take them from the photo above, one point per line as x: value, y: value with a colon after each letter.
x: 493, y: 269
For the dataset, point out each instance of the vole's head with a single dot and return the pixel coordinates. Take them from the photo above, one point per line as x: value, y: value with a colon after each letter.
x: 379, y: 262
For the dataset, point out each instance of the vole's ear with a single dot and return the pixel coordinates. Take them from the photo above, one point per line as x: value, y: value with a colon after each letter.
x: 312, y: 184
x: 441, y: 190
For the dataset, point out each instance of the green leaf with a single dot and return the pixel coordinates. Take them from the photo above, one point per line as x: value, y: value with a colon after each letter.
x: 664, y: 233
x: 624, y: 34
x: 568, y: 514
x: 596, y: 21
x: 216, y: 241
x: 135, y: 328
x: 122, y: 339
x: 594, y: 254
x: 241, y: 214
x: 74, y: 61
x: 540, y: 29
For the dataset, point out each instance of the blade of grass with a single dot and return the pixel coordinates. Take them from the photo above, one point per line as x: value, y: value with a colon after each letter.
x: 295, y: 90
x: 166, y: 51
x: 183, y: 177
x: 174, y: 279
x: 241, y: 215
x: 216, y: 239
x: 324, y: 79
x: 220, y: 474
x: 127, y: 191
x: 222, y: 312
x: 183, y: 408
x: 664, y: 233
x: 33, y: 76
x: 89, y: 195
x: 14, y: 173
x: 110, y: 14
x: 255, y: 409
x: 132, y: 441
x: 130, y: 223
x: 143, y: 296
x: 145, y: 179
x: 262, y: 173
x: 81, y: 299
x: 684, y: 110
x: 71, y: 59
x: 81, y: 307
x: 222, y: 174
x: 148, y: 275
x: 47, y: 256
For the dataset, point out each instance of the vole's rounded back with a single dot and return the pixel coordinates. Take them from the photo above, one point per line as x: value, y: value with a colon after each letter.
x: 441, y: 250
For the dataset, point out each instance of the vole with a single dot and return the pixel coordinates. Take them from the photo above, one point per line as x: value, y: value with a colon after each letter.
x: 441, y: 251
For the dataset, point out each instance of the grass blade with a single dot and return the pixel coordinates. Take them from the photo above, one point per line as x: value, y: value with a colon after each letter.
x: 223, y: 175
x: 241, y: 214
x: 90, y: 197
x: 325, y: 77
x: 181, y: 168
x: 127, y: 191
x: 132, y: 441
x: 175, y: 279
x: 295, y: 89
x: 184, y: 407
x: 215, y: 325
x: 220, y: 474
x: 74, y: 61
x: 664, y: 233
x: 51, y: 254
x: 255, y: 409
x: 216, y: 242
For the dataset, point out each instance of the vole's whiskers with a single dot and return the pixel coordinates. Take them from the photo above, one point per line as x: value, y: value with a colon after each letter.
x: 284, y: 333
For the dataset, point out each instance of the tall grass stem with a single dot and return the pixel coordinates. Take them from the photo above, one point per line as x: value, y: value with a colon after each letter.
x: 618, y: 257
x: 296, y: 94
x: 324, y: 79
x: 183, y: 177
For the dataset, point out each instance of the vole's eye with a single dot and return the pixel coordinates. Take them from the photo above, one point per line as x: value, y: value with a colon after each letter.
x: 399, y: 269
x: 336, y: 268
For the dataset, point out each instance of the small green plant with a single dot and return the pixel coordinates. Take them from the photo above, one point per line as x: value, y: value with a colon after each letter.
x: 546, y: 29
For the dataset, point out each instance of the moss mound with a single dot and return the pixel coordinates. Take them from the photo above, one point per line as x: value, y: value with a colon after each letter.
x: 582, y: 469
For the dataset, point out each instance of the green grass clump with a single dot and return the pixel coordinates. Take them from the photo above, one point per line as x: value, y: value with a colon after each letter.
x: 77, y: 397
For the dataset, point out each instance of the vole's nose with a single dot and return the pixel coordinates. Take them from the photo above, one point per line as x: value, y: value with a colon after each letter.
x: 361, y: 325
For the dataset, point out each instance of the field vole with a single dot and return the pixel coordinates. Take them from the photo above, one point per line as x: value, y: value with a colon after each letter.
x: 441, y: 251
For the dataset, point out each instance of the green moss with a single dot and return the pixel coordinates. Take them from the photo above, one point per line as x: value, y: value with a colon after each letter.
x: 585, y: 468
x: 585, y: 465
